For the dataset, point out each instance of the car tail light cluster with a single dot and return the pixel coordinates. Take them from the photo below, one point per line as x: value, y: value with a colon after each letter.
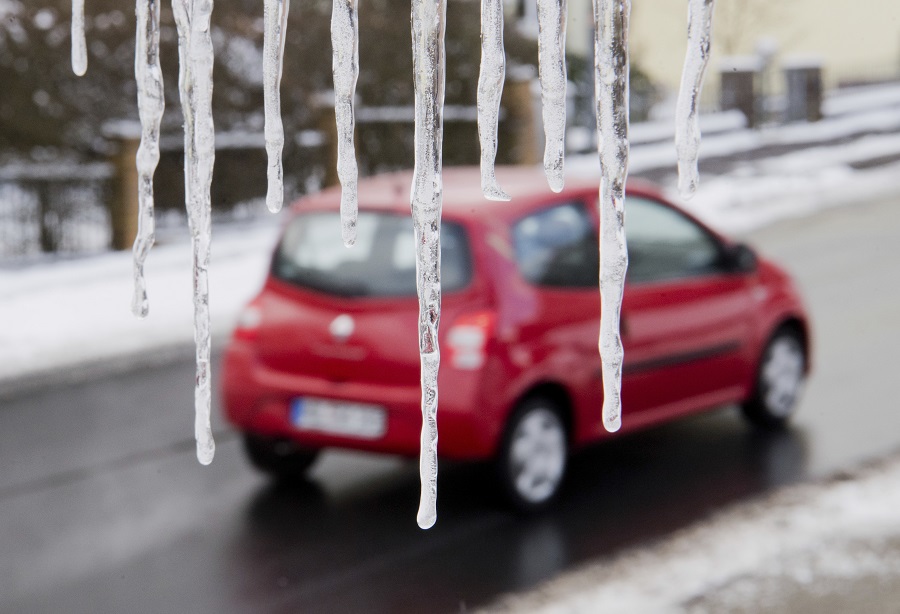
x: 248, y: 323
x: 467, y: 340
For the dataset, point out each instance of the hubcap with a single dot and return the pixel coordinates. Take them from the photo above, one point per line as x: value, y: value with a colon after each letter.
x: 538, y: 455
x: 782, y: 376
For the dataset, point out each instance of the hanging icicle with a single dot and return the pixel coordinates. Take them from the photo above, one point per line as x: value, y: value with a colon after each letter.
x: 490, y: 89
x: 687, y: 128
x: 79, y: 43
x: 195, y: 51
x: 552, y: 74
x: 611, y: 90
x: 428, y: 26
x: 345, y: 70
x: 151, y: 104
x: 275, y: 14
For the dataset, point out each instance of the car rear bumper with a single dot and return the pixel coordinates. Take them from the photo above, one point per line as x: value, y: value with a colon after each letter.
x: 257, y: 400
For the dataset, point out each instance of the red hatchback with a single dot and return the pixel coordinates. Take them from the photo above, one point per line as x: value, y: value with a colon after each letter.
x: 327, y: 354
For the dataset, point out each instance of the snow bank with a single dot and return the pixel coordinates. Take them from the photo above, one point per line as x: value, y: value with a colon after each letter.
x: 828, y: 532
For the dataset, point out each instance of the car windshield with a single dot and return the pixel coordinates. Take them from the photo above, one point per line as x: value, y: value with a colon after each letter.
x: 382, y: 263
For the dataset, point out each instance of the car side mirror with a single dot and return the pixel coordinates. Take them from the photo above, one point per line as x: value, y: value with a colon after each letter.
x: 739, y: 258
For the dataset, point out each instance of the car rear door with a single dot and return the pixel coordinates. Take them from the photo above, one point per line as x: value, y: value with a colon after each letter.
x: 556, y: 253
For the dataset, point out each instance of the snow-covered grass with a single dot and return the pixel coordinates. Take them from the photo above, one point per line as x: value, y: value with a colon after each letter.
x: 808, y: 535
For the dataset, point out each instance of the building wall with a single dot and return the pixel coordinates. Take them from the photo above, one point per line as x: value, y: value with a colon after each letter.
x: 855, y: 39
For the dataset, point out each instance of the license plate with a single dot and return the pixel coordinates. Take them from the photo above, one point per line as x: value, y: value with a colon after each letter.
x: 339, y: 417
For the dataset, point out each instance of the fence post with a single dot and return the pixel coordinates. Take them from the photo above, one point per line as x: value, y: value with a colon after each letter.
x: 124, y: 208
x: 521, y: 123
x: 49, y: 228
x: 738, y: 76
x: 803, y: 78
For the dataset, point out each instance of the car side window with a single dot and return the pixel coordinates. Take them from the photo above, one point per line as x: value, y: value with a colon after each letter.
x: 664, y: 244
x: 557, y: 247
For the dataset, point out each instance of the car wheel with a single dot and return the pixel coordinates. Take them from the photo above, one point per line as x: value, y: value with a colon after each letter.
x: 533, y: 455
x: 280, y: 458
x: 779, y: 381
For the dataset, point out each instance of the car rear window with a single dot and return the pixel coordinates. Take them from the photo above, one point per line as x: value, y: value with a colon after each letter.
x: 382, y: 263
x: 557, y: 247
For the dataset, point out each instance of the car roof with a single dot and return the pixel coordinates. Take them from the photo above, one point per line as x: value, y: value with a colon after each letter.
x: 462, y: 196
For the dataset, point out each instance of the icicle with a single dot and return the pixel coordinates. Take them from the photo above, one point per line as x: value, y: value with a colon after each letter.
x: 687, y: 129
x: 79, y: 44
x: 490, y: 89
x: 611, y: 90
x: 195, y: 50
x: 275, y: 20
x: 345, y: 69
x: 552, y: 73
x: 151, y: 103
x: 428, y: 25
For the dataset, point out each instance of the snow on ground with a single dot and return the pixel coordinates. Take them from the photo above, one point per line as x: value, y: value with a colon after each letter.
x: 64, y: 314
x: 750, y: 558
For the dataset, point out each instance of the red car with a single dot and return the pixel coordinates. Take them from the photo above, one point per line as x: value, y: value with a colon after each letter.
x: 327, y: 354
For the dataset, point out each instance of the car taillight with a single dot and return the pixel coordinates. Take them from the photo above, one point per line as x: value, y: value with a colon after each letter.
x: 467, y: 340
x: 248, y: 323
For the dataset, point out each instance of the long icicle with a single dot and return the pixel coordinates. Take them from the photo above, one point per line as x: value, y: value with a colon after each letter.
x: 151, y: 104
x: 687, y: 128
x: 552, y: 74
x: 345, y: 70
x: 428, y: 26
x: 195, y: 50
x: 79, y: 43
x: 275, y: 14
x: 611, y: 91
x: 490, y: 90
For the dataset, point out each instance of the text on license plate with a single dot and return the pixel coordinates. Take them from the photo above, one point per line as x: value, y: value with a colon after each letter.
x: 339, y: 417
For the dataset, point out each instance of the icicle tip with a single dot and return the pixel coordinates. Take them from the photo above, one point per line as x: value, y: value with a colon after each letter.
x: 493, y: 191
x: 426, y: 519
x: 206, y: 450
x: 613, y: 423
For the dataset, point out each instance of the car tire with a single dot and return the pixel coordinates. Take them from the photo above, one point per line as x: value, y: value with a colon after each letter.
x: 280, y: 458
x: 532, y: 459
x: 780, y: 378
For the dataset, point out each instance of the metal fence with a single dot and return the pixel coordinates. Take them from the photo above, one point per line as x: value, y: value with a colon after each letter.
x: 58, y: 208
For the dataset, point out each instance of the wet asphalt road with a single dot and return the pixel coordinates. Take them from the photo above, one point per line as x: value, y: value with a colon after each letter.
x: 103, y: 507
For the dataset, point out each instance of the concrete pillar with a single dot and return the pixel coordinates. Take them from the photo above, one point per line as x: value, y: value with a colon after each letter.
x: 803, y: 81
x: 738, y: 78
x: 521, y: 129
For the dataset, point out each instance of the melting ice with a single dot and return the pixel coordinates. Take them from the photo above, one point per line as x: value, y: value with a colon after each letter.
x: 275, y: 26
x: 490, y: 88
x: 151, y: 103
x: 79, y: 45
x: 195, y: 53
x: 611, y: 17
x: 611, y: 92
x: 345, y: 69
x: 687, y: 129
x: 552, y: 74
x: 428, y: 26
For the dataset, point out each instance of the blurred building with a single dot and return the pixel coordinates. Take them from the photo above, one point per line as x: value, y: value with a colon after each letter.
x: 854, y: 41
